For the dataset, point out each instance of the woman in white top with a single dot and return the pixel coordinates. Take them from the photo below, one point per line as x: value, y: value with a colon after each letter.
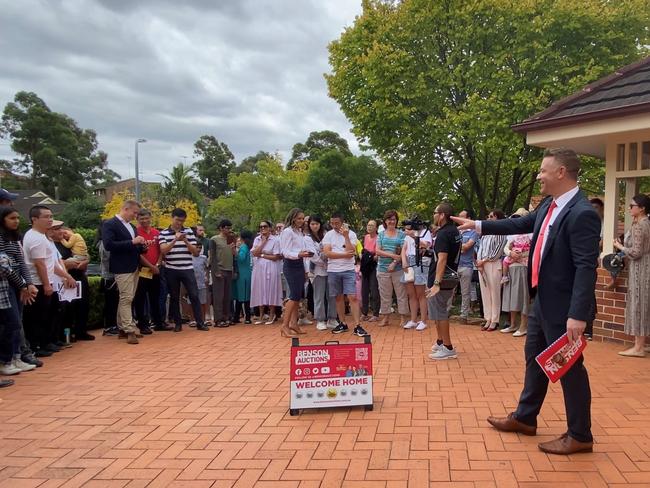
x: 415, y: 277
x: 324, y: 308
x: 292, y: 242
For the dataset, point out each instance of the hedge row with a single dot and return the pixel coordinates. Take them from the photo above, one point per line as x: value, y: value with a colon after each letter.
x: 96, y: 317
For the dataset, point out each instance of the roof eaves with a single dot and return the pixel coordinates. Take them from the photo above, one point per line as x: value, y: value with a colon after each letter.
x: 548, y: 123
x: 585, y: 91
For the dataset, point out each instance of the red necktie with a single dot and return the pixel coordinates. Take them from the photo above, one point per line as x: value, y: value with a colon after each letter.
x: 537, y: 253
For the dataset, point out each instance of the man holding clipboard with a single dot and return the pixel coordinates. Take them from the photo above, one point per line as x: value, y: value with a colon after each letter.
x: 562, y: 277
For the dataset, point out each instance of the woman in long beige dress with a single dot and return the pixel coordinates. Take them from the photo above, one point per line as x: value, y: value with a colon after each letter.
x: 637, y: 252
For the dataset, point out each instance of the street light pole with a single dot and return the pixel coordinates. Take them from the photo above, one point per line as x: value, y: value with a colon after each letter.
x: 137, y: 170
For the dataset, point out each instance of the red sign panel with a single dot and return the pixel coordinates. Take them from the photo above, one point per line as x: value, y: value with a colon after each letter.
x: 331, y: 375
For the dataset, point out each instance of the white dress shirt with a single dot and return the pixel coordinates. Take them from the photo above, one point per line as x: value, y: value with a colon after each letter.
x: 128, y: 226
x: 292, y: 243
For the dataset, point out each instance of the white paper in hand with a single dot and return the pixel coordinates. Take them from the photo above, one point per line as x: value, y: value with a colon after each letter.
x: 69, y: 294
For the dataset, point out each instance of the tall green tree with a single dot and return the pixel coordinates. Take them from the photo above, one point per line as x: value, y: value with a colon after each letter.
x: 214, y: 164
x: 83, y: 212
x: 54, y: 151
x: 268, y: 193
x: 249, y: 164
x: 317, y: 143
x: 354, y: 185
x: 434, y: 87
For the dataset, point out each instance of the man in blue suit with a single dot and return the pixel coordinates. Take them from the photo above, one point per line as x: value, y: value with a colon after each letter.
x: 120, y: 238
x: 562, y: 276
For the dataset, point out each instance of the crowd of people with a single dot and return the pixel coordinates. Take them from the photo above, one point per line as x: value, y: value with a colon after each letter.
x: 301, y: 270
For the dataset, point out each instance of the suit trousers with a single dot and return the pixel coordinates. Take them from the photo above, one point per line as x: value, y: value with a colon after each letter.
x: 575, y: 383
x: 126, y: 285
x: 490, y: 279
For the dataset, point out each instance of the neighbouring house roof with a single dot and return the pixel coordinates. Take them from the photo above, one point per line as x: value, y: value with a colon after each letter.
x: 625, y: 92
x: 28, y: 198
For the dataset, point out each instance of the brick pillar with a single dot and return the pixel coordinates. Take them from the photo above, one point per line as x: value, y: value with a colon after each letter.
x: 610, y: 317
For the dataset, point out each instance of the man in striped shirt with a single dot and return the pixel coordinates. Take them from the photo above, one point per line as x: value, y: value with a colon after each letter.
x: 178, y: 244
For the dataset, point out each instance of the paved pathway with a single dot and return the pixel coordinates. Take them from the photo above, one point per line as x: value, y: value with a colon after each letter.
x: 210, y: 410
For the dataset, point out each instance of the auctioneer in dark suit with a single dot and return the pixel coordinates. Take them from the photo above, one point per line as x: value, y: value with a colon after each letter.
x: 565, y: 289
x: 124, y: 263
x: 125, y: 256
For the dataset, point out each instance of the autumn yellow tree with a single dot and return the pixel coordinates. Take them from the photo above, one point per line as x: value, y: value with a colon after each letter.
x: 160, y: 216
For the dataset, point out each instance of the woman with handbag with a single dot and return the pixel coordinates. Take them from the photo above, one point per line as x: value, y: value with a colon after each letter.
x: 324, y: 307
x: 415, y: 274
x: 389, y: 268
x: 637, y: 253
x: 368, y: 267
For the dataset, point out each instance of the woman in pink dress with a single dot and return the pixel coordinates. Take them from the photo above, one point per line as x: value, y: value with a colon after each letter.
x: 266, y: 283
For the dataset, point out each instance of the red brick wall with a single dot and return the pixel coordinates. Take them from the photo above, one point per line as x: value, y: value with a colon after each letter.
x: 610, y: 317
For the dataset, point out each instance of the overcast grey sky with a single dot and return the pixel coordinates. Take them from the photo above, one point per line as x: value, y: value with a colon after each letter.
x: 249, y: 72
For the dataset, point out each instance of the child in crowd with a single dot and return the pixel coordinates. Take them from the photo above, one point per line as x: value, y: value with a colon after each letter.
x: 76, y: 243
x: 520, y: 243
x: 200, y: 264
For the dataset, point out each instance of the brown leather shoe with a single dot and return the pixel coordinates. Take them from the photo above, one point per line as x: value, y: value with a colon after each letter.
x: 565, y: 444
x: 511, y: 424
x: 132, y: 339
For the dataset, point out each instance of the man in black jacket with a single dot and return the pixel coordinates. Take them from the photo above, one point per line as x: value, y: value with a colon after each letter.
x: 120, y: 238
x: 562, y: 276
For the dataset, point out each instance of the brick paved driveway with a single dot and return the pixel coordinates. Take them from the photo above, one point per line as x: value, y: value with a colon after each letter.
x: 210, y: 410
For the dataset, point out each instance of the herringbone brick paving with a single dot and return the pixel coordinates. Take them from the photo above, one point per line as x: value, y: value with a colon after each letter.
x: 210, y: 410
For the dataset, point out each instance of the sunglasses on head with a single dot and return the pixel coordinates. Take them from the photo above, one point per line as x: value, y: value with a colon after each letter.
x: 264, y: 226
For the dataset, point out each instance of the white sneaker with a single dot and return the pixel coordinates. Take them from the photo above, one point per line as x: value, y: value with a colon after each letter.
x: 436, y: 347
x: 321, y: 325
x: 421, y: 325
x: 520, y: 333
x: 22, y: 366
x: 332, y: 324
x: 444, y: 353
x: 7, y: 369
x: 304, y: 322
x: 410, y: 325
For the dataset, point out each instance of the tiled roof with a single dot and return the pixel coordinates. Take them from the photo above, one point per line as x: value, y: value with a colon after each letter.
x: 625, y: 92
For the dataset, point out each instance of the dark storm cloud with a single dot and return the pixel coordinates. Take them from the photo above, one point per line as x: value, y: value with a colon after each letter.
x: 248, y: 72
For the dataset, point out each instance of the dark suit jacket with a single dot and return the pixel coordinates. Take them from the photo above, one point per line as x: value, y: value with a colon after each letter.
x: 567, y: 275
x: 125, y: 256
